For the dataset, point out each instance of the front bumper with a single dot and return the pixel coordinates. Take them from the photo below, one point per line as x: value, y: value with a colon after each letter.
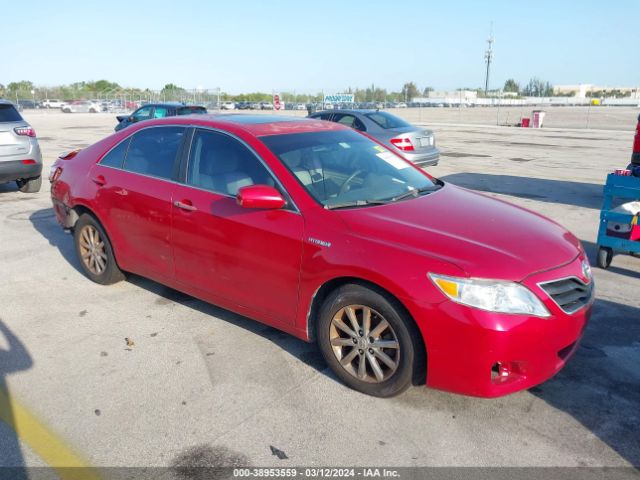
x: 485, y: 354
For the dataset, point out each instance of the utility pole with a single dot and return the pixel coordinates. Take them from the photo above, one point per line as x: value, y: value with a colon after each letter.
x: 488, y: 56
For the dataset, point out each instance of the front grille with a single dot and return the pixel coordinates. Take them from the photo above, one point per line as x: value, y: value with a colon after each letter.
x: 570, y: 294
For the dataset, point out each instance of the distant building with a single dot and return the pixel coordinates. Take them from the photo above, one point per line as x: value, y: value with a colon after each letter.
x: 584, y: 90
x: 463, y: 94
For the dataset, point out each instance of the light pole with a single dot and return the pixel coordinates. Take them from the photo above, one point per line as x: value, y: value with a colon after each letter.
x: 488, y: 56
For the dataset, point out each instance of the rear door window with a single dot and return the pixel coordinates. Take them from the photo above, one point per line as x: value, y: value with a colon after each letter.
x: 8, y: 113
x: 386, y: 120
x: 115, y: 157
x: 349, y: 121
x: 161, y: 112
x: 153, y: 151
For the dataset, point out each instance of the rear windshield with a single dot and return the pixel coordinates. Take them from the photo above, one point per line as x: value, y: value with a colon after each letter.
x: 191, y: 110
x: 386, y: 120
x: 8, y: 113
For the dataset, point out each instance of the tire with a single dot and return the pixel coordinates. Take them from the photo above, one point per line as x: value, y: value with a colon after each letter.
x: 95, y: 252
x: 404, y: 346
x: 605, y: 255
x: 31, y: 185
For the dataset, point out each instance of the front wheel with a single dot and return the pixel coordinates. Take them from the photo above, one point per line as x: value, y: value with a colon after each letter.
x: 95, y: 251
x: 369, y: 341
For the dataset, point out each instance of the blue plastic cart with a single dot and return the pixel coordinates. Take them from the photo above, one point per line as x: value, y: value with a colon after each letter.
x: 619, y: 187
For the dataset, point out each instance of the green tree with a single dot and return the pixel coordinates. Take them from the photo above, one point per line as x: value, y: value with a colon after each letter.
x: 538, y: 88
x: 20, y: 86
x: 409, y: 91
x: 511, y: 86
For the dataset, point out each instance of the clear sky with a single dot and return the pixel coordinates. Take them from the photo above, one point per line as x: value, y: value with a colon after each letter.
x: 311, y: 45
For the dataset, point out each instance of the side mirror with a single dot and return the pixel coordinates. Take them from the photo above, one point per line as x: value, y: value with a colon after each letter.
x: 260, y: 196
x: 131, y: 119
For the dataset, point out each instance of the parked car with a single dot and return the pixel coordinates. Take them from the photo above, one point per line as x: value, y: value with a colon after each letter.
x: 157, y: 110
x: 318, y: 230
x: 227, y: 106
x: 81, y: 106
x: 266, y: 106
x: 414, y: 143
x: 300, y: 106
x: 52, y: 103
x: 20, y: 157
x: 28, y: 104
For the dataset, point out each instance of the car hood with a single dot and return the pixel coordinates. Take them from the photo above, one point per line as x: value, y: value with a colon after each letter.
x: 484, y: 236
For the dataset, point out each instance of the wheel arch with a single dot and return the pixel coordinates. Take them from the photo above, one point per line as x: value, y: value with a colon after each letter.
x: 419, y: 375
x: 78, y: 210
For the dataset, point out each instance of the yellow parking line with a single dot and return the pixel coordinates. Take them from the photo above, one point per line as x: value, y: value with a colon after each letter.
x: 49, y: 447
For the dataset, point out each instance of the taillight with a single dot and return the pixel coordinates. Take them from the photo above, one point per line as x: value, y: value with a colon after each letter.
x: 55, y: 173
x: 68, y: 155
x: 29, y: 162
x: 403, y: 144
x: 25, y: 131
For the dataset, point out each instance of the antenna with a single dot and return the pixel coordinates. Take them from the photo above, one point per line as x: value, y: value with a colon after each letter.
x: 488, y: 56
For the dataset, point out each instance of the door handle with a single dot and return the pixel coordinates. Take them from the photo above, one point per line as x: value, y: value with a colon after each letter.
x: 185, y: 205
x: 99, y: 180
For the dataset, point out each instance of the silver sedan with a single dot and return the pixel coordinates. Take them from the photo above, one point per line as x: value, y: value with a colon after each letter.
x: 414, y: 143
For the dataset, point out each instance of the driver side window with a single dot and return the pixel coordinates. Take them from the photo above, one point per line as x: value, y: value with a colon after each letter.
x: 220, y: 163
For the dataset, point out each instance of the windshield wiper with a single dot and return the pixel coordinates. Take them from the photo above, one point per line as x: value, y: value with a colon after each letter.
x: 356, y: 203
x: 414, y: 192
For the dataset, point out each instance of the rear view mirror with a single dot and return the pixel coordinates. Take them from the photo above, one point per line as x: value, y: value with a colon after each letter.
x: 260, y: 196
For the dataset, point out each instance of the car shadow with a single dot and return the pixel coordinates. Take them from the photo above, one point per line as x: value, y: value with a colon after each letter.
x: 14, y: 359
x: 306, y: 352
x: 44, y: 221
x: 600, y: 385
x: 8, y: 187
x: 587, y: 195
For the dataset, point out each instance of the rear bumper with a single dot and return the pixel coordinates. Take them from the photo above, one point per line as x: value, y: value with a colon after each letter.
x: 427, y: 159
x: 635, y: 159
x: 16, y: 170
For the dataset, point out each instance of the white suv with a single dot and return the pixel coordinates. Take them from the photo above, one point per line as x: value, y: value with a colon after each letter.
x: 51, y: 103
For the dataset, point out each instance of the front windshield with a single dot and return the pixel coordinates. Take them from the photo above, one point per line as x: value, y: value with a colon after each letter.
x: 344, y: 168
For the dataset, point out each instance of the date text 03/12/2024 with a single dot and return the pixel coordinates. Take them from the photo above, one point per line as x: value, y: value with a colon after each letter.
x: 315, y: 472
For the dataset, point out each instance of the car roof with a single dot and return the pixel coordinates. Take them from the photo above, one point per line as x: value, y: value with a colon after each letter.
x: 346, y: 110
x: 5, y: 102
x: 256, y: 125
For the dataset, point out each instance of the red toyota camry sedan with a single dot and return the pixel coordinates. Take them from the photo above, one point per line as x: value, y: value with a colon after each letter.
x: 318, y: 230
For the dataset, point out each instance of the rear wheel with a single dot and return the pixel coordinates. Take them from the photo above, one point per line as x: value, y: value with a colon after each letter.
x: 369, y: 341
x: 95, y: 251
x: 30, y: 185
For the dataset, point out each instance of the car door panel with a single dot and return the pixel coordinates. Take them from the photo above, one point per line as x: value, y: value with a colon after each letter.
x: 134, y: 186
x: 250, y: 257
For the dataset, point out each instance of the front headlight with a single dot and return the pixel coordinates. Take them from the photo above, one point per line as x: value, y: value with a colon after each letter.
x: 491, y: 295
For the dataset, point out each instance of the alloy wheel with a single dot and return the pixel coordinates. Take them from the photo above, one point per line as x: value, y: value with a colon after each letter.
x: 92, y: 250
x: 364, y: 343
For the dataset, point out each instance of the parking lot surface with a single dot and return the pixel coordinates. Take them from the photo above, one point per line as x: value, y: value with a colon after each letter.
x: 200, y: 384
